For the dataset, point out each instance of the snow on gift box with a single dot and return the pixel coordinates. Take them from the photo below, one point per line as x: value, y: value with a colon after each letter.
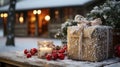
x: 93, y: 43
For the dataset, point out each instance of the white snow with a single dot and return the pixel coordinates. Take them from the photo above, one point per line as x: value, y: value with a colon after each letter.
x: 114, y: 65
x: 34, y: 60
x: 1, y: 32
x: 23, y: 43
x: 31, y: 4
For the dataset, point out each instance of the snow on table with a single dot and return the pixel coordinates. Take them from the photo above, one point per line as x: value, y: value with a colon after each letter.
x: 16, y: 54
x: 114, y: 65
x: 34, y: 60
x: 22, y: 43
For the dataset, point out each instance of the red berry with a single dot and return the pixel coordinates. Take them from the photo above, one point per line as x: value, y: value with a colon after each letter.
x: 61, y: 51
x: 26, y: 51
x: 61, y: 56
x: 54, y: 56
x: 117, y: 47
x: 117, y: 50
x: 34, y: 49
x: 28, y: 55
x: 32, y: 52
x: 48, y: 57
x: 65, y: 47
x: 54, y: 51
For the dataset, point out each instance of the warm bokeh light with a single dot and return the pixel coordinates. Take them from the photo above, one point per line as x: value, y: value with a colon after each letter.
x: 1, y: 15
x: 37, y: 12
x: 21, y: 19
x: 5, y: 15
x: 47, y: 17
x: 56, y: 12
x: 33, y: 19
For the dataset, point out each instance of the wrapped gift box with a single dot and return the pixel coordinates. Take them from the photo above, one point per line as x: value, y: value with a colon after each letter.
x: 93, y: 43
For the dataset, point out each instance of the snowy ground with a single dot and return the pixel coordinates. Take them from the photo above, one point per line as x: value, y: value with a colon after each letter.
x: 1, y: 32
x: 23, y: 43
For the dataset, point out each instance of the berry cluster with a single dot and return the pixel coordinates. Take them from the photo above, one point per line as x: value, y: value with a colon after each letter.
x: 30, y: 53
x: 57, y: 53
x: 117, y: 50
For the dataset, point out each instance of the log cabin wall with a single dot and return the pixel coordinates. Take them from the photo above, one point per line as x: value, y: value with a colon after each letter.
x: 57, y: 15
x: 21, y: 24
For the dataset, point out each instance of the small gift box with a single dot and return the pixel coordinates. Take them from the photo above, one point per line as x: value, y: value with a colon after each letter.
x: 44, y: 47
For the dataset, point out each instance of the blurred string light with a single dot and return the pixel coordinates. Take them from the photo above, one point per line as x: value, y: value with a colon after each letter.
x: 36, y: 11
x: 39, y: 11
x: 21, y: 19
x: 33, y: 19
x: 1, y: 15
x: 47, y: 17
x: 4, y: 15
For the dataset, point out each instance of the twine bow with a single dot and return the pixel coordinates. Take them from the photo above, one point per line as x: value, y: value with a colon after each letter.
x: 84, y: 24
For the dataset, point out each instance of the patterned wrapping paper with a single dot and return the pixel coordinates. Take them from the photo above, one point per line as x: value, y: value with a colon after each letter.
x: 93, y: 43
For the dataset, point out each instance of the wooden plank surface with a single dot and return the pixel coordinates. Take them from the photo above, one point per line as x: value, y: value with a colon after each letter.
x: 20, y: 60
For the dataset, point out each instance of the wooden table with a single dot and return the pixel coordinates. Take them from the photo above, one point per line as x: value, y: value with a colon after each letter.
x: 17, y: 59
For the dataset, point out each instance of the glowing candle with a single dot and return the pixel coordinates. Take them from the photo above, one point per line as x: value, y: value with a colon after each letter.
x: 44, y: 47
x: 44, y: 50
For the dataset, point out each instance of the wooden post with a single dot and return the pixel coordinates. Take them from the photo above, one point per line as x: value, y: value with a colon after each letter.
x: 36, y: 24
x: 10, y: 24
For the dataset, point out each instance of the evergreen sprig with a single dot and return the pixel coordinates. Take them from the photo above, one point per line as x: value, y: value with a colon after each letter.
x: 109, y: 13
